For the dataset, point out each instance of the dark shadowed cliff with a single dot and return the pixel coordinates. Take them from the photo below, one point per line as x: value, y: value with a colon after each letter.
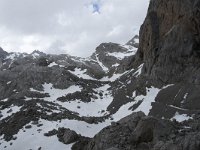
x: 170, y: 41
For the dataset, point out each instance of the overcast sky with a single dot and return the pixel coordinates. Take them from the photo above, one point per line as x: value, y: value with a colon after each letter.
x: 75, y: 27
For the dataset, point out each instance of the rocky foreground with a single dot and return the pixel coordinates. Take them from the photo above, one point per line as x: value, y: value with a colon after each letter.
x: 60, y: 101
x: 140, y: 132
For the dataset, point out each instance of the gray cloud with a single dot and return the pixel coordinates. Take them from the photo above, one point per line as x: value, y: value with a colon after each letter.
x: 68, y: 26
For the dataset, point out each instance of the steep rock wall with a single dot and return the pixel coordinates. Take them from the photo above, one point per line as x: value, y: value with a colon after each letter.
x: 170, y: 41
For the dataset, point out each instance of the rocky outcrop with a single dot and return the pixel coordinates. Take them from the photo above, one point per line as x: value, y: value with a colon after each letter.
x: 134, y: 41
x: 3, y: 53
x: 140, y: 132
x: 170, y: 41
x: 67, y: 136
x: 115, y: 57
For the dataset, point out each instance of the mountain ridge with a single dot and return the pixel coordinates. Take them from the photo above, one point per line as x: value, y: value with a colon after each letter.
x: 39, y: 89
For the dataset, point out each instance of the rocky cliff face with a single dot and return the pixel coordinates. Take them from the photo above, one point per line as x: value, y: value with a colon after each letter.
x: 169, y: 41
x: 169, y: 48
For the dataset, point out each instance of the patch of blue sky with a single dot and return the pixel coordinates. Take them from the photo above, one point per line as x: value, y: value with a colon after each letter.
x: 96, y: 8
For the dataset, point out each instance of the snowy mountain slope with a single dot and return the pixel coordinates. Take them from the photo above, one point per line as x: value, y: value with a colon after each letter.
x: 41, y: 92
x: 46, y: 92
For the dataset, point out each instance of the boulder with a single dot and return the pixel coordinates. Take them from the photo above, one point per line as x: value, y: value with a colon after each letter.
x: 67, y: 136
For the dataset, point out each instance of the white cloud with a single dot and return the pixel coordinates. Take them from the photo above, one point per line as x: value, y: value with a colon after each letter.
x: 60, y: 26
x: 115, y: 31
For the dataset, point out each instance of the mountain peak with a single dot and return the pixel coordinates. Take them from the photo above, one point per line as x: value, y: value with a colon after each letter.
x: 134, y: 41
x: 109, y: 47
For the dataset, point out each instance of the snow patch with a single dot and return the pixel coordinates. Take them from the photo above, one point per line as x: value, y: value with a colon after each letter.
x: 115, y: 76
x: 130, y: 48
x: 56, y: 93
x: 8, y: 82
x: 123, y: 111
x: 115, y: 65
x: 5, y: 100
x: 136, y: 40
x: 33, y: 90
x: 81, y: 73
x: 52, y: 64
x: 184, y: 98
x: 9, y: 111
x: 95, y: 108
x: 12, y: 56
x: 134, y: 94
x: 181, y: 117
x: 177, y: 107
x: 55, y: 64
x: 146, y: 106
x: 139, y: 70
x: 120, y: 55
